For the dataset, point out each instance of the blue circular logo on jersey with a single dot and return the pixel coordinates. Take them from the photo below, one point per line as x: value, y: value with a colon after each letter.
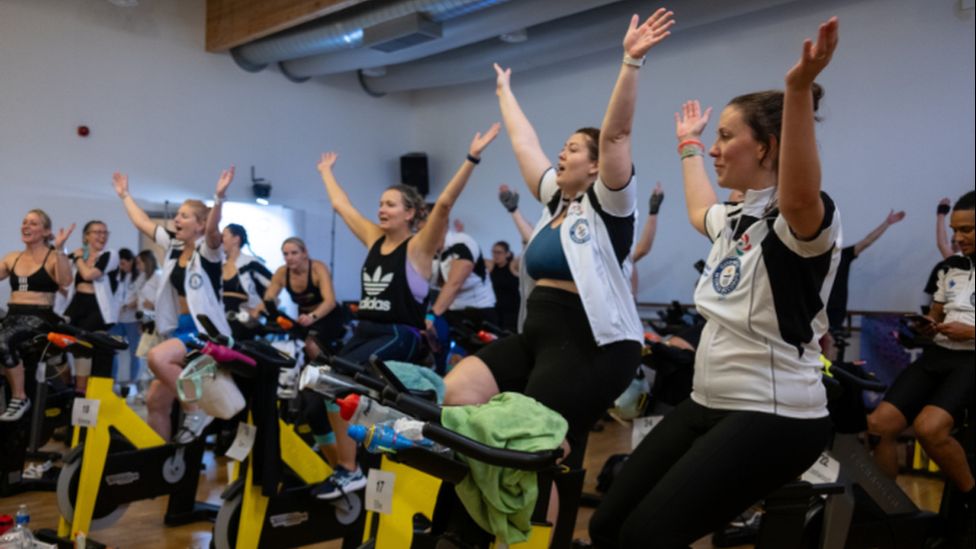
x: 726, y: 277
x: 196, y: 281
x: 580, y: 231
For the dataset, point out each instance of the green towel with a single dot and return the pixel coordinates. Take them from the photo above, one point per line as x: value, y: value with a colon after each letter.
x: 418, y: 378
x: 501, y: 500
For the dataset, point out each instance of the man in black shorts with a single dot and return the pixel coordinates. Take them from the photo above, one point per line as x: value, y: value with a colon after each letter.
x: 933, y: 392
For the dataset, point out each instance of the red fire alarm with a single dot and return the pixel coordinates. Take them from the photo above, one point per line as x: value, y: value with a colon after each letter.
x: 83, y: 131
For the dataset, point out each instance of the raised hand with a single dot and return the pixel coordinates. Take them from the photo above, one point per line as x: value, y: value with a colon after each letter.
x: 691, y: 122
x: 508, y: 198
x: 657, y: 197
x: 62, y: 236
x: 640, y: 38
x: 226, y: 176
x: 502, y: 78
x: 894, y: 217
x: 327, y: 161
x: 481, y: 141
x: 815, y: 57
x: 120, y: 182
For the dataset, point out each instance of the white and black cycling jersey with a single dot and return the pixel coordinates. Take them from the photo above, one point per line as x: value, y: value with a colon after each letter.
x: 763, y: 292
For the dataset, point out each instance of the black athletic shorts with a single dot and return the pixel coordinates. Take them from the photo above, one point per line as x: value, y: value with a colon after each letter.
x: 940, y: 377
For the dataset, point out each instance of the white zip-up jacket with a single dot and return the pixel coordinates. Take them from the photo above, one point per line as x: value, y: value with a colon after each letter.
x: 594, y: 257
x: 202, y: 284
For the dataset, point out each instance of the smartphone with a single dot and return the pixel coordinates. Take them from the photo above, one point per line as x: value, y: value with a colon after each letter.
x: 919, y: 319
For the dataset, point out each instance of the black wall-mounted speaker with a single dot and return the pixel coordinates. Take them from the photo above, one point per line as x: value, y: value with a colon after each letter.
x: 413, y: 172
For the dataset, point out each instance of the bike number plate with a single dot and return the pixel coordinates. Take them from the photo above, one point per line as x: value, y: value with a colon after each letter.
x: 379, y: 491
x: 243, y: 442
x: 84, y: 412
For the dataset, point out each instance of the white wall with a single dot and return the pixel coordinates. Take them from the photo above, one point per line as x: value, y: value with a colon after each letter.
x: 172, y: 116
x: 898, y: 129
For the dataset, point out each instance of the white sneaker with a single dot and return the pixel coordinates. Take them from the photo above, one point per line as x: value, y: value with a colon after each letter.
x: 37, y: 470
x: 193, y: 425
x: 16, y: 409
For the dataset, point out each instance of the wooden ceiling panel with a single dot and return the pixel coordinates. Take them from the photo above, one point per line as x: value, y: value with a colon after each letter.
x: 231, y: 23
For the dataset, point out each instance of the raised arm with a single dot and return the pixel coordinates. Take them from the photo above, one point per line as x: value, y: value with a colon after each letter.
x: 892, y: 218
x: 213, y: 218
x: 460, y: 269
x: 365, y: 230
x: 799, y: 164
x: 615, y: 157
x: 531, y: 159
x: 942, y: 240
x: 62, y: 267
x: 699, y: 194
x: 510, y: 199
x: 428, y: 239
x: 649, y: 230
x: 120, y: 182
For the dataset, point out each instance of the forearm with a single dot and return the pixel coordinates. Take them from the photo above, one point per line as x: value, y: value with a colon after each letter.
x: 323, y: 308
x: 436, y: 228
x: 646, y: 241
x: 699, y: 194
x: 138, y: 217
x: 444, y: 299
x: 525, y: 142
x: 524, y: 229
x: 799, y: 163
x: 870, y: 238
x: 615, y: 142
x: 62, y: 269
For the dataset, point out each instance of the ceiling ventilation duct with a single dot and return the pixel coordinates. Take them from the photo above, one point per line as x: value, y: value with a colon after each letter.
x: 401, y: 33
x: 558, y: 41
x: 344, y: 31
x: 509, y: 17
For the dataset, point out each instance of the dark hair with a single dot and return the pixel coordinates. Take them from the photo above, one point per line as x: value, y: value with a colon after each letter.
x: 239, y: 231
x: 127, y: 255
x: 593, y: 143
x: 763, y: 113
x: 966, y: 202
x: 88, y: 225
x: 149, y: 260
x: 506, y: 247
x: 412, y: 201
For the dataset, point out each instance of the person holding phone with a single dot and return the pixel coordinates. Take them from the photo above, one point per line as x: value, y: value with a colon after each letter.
x: 935, y: 389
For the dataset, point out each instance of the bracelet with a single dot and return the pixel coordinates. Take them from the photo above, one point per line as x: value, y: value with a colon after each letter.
x: 430, y: 317
x: 473, y: 159
x: 690, y: 142
x: 313, y: 316
x: 218, y: 199
x: 691, y: 150
x: 634, y: 61
x: 943, y: 209
x: 124, y: 195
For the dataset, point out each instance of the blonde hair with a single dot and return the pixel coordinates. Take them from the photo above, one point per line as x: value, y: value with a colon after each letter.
x: 296, y: 241
x: 200, y: 210
x: 45, y: 222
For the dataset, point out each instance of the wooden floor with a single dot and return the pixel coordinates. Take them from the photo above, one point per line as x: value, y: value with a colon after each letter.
x: 142, y: 525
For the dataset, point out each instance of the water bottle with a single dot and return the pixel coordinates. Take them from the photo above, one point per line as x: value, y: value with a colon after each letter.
x: 384, y: 438
x: 324, y: 381
x: 362, y: 410
x: 19, y: 536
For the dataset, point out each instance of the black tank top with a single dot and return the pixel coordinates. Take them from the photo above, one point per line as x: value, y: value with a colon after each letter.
x: 386, y: 295
x: 506, y: 286
x: 38, y: 281
x: 307, y: 299
x: 233, y: 286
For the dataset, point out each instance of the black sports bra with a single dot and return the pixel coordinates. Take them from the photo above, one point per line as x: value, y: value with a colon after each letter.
x: 177, y: 277
x: 38, y: 281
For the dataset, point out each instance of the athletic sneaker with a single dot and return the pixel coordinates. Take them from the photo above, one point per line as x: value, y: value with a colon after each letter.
x: 16, y: 409
x: 36, y: 471
x: 340, y: 483
x: 193, y: 425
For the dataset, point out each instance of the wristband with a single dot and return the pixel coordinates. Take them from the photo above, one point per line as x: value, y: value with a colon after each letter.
x: 313, y: 316
x: 689, y: 151
x: 633, y: 61
x: 430, y: 317
x: 218, y: 199
x: 124, y: 195
x: 473, y: 159
x: 943, y: 209
x: 682, y: 144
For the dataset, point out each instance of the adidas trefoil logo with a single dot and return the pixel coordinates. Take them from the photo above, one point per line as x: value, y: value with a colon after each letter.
x: 377, y: 283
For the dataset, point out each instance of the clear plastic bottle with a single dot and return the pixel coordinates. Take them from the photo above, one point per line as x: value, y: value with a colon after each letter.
x: 362, y: 410
x: 20, y: 536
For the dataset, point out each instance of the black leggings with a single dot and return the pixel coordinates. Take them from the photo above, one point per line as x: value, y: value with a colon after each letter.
x: 21, y: 324
x: 556, y: 361
x: 83, y: 312
x: 698, y: 469
x: 386, y: 341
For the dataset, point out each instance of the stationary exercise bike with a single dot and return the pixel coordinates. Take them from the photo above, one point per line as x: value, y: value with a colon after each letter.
x: 426, y: 512
x: 120, y: 459
x: 51, y: 409
x: 269, y: 504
